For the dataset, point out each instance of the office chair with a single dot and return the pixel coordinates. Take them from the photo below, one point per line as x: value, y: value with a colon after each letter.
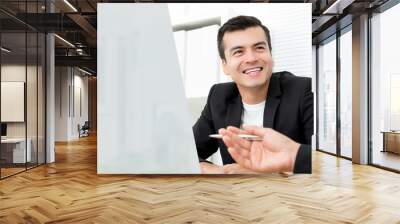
x: 84, y: 130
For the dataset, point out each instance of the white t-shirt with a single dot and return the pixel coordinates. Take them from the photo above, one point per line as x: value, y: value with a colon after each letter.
x: 253, y: 114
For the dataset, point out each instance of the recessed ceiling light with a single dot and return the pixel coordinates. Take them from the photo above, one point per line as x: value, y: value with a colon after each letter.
x: 337, y: 7
x: 5, y: 50
x: 70, y: 5
x: 64, y: 40
x: 84, y: 71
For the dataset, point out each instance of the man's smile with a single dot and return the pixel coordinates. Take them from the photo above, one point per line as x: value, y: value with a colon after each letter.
x: 252, y: 71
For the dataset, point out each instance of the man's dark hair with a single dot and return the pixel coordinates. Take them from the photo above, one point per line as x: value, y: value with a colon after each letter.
x: 239, y: 23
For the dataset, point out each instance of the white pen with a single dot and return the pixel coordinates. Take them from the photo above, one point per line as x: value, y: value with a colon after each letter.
x: 244, y: 136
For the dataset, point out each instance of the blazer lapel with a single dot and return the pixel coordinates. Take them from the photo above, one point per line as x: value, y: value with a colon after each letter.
x: 272, y: 102
x: 234, y: 112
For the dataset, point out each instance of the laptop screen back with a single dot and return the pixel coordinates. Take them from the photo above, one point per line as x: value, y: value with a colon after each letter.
x: 144, y: 126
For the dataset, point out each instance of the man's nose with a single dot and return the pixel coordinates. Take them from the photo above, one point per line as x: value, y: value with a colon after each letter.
x: 250, y: 57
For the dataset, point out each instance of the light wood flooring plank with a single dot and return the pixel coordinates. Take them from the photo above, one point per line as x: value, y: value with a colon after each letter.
x: 70, y: 191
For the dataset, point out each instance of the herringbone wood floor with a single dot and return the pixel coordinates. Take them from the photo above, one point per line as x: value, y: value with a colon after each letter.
x: 70, y: 191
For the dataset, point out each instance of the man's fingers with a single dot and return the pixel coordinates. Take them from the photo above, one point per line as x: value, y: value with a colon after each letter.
x: 222, y: 131
x: 207, y: 168
x: 228, y: 141
x: 241, y: 143
x: 255, y: 130
x: 234, y: 140
x: 237, y: 156
x: 236, y: 130
x: 241, y: 152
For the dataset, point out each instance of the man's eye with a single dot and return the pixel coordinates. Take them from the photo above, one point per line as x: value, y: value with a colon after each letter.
x: 261, y: 48
x: 237, y: 53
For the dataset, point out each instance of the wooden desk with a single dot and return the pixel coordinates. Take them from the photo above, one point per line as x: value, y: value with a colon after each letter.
x: 391, y: 141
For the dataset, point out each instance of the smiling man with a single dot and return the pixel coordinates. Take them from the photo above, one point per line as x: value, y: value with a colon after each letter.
x: 256, y: 96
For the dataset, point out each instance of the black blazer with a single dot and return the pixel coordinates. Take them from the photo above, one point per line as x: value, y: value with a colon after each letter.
x: 288, y: 110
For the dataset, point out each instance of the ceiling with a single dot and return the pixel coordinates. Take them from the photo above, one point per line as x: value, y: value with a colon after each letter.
x: 76, y: 22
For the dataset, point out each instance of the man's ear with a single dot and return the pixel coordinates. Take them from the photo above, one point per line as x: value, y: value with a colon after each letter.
x: 224, y: 66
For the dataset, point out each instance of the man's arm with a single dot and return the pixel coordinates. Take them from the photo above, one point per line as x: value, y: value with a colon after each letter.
x: 302, y: 163
x: 307, y: 112
x: 303, y: 158
x: 204, y: 126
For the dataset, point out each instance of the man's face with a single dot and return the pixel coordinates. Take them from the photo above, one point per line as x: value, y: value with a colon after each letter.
x: 248, y: 58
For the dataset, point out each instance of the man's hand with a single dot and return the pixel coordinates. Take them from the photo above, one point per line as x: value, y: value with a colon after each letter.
x: 208, y: 168
x: 235, y: 168
x: 275, y: 153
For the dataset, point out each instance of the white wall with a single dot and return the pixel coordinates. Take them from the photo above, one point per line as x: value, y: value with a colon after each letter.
x: 79, y: 117
x: 61, y: 103
x: 33, y: 126
x: 12, y: 73
x: 67, y: 116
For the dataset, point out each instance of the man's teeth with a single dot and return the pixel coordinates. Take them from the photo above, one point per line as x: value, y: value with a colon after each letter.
x: 252, y: 70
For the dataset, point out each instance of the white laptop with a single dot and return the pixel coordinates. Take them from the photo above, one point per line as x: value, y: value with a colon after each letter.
x: 144, y: 126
